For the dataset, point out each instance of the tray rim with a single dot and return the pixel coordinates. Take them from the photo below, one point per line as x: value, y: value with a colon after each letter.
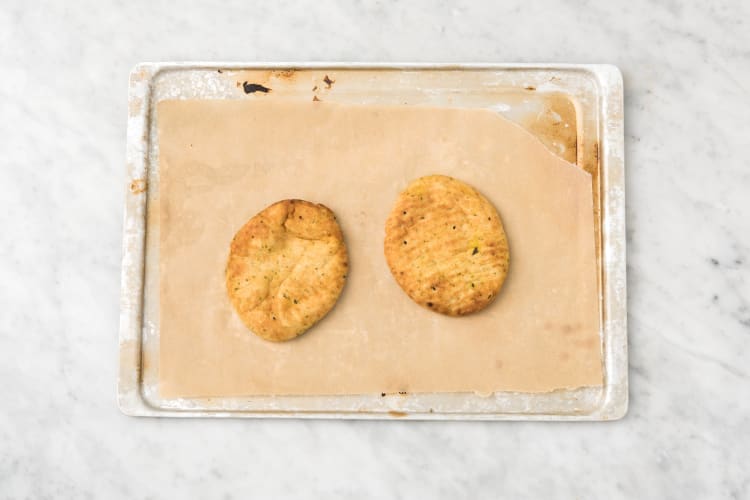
x: 611, y: 136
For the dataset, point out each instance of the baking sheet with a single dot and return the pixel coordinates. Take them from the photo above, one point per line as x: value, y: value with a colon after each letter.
x: 504, y: 90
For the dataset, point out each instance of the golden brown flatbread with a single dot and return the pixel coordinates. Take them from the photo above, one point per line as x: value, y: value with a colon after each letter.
x: 286, y: 268
x: 446, y: 246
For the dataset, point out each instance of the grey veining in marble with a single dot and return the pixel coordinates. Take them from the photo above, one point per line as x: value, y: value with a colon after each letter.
x: 63, y: 84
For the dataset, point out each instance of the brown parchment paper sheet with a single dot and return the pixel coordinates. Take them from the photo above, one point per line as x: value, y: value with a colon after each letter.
x: 223, y: 161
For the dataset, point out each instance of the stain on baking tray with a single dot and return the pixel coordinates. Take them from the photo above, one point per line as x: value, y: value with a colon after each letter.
x: 556, y: 126
x: 328, y: 81
x: 251, y: 88
x: 395, y: 413
x: 284, y: 73
x: 315, y: 98
x: 138, y: 186
x: 134, y: 106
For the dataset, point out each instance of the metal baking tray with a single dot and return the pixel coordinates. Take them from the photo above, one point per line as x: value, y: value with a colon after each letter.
x: 575, y: 110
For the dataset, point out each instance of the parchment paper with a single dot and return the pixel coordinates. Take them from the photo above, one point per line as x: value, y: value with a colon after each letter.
x: 221, y: 162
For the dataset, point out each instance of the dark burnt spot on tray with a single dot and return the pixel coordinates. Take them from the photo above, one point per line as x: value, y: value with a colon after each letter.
x: 315, y: 99
x: 220, y: 71
x: 476, y: 251
x: 251, y: 88
x: 315, y: 88
x: 530, y: 87
x: 403, y: 393
x: 328, y: 82
x: 382, y: 394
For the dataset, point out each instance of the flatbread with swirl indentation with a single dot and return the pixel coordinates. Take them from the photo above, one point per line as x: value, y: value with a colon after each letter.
x: 286, y: 268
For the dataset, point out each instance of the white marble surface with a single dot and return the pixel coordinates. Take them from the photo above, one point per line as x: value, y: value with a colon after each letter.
x: 63, y: 82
